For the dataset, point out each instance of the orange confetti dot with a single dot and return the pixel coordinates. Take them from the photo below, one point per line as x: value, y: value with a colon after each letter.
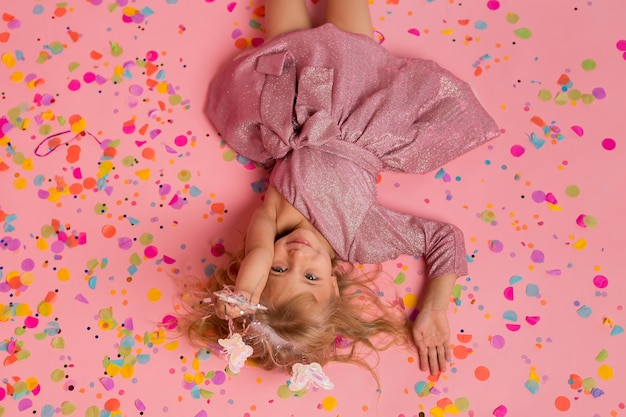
x: 482, y: 373
x: 241, y: 43
x: 108, y: 231
x: 464, y: 338
x: 562, y: 403
x: 112, y: 404
x: 4, y: 36
x: 73, y: 154
x: 76, y: 188
x: 89, y: 183
x: 148, y: 153
x: 110, y: 152
x: 460, y: 352
x: 60, y: 11
x: 478, y: 71
x: 95, y: 55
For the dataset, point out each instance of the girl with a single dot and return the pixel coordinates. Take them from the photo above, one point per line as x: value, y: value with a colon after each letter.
x: 327, y: 109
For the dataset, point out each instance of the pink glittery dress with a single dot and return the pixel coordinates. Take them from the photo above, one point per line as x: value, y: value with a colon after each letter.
x: 329, y: 110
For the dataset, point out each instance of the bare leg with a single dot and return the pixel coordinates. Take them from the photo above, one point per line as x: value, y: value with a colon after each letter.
x: 350, y: 15
x: 283, y: 16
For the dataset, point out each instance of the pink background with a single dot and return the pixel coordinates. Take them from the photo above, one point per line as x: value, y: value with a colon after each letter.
x: 94, y: 237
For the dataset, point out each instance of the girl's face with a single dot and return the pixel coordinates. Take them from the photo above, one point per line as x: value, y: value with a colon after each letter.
x: 302, y: 264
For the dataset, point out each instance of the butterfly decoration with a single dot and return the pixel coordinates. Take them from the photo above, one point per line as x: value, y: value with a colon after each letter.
x: 307, y: 376
x: 235, y: 351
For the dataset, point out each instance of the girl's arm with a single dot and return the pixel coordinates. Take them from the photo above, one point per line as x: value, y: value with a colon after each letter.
x: 259, y: 254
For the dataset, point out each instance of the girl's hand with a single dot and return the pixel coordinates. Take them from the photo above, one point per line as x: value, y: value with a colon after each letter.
x: 230, y: 305
x: 431, y: 334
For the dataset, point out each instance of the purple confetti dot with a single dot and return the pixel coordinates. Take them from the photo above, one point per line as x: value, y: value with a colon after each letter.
x: 537, y: 256
x: 497, y: 342
x: 495, y: 246
x: 600, y: 281
x: 136, y: 90
x: 24, y: 404
x: 608, y: 144
x: 539, y: 196
x: 57, y: 247
x: 28, y: 264
x: 124, y: 243
x: 219, y: 378
x: 598, y: 93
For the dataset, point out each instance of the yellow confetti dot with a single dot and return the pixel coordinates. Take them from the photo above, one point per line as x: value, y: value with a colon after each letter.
x: 17, y: 76
x: 284, y: 392
x: 27, y: 278
x: 172, y: 345
x: 113, y: 369
x: 162, y: 87
x: 22, y: 310
x: 143, y: 174
x: 437, y: 412
x: 154, y: 294
x: 20, y: 183
x: 329, y: 403
x: 580, y: 244
x: 127, y: 370
x: 410, y: 300
x: 605, y: 372
x: 63, y: 274
x: 44, y: 308
x: 42, y: 244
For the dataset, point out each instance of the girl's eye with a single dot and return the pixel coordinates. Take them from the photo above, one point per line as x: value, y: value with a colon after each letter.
x: 278, y: 269
x: 310, y: 277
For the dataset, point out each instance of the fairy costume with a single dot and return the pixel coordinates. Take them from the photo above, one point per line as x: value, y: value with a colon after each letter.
x: 329, y: 110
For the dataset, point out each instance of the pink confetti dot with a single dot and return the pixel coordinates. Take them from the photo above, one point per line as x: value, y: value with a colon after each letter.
x: 578, y: 130
x: 180, y: 140
x: 500, y: 411
x: 152, y: 55
x: 150, y: 252
x: 493, y: 5
x: 600, y: 281
x: 74, y: 85
x: 621, y: 45
x: 89, y: 77
x: 517, y: 150
x: 608, y: 144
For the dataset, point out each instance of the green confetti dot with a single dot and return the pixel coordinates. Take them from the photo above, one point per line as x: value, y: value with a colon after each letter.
x: 73, y: 65
x: 100, y: 208
x: 561, y: 99
x: 523, y: 33
x: 68, y: 408
x: 184, y: 175
x: 588, y: 64
x: 572, y: 191
x: 544, y: 95
x: 19, y: 158
x: 284, y: 392
x: 574, y: 94
x: 57, y: 375
x: 135, y: 259
x: 462, y: 403
x: 229, y: 155
x: 590, y: 221
x: 400, y: 278
x: 512, y: 17
x: 92, y: 411
x: 58, y: 343
x: 175, y: 99
x: 116, y: 49
x: 146, y: 239
x: 129, y: 161
x: 588, y: 98
x: 601, y: 357
x: 488, y: 216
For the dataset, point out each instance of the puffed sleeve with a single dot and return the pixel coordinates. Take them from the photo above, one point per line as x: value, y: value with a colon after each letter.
x: 385, y: 234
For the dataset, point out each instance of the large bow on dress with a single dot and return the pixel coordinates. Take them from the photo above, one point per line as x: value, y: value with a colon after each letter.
x: 296, y: 111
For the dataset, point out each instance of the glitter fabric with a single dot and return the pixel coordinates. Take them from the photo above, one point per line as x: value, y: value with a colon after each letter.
x: 329, y: 110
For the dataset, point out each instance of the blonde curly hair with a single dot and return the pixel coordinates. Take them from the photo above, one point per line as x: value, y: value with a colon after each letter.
x: 358, y: 318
